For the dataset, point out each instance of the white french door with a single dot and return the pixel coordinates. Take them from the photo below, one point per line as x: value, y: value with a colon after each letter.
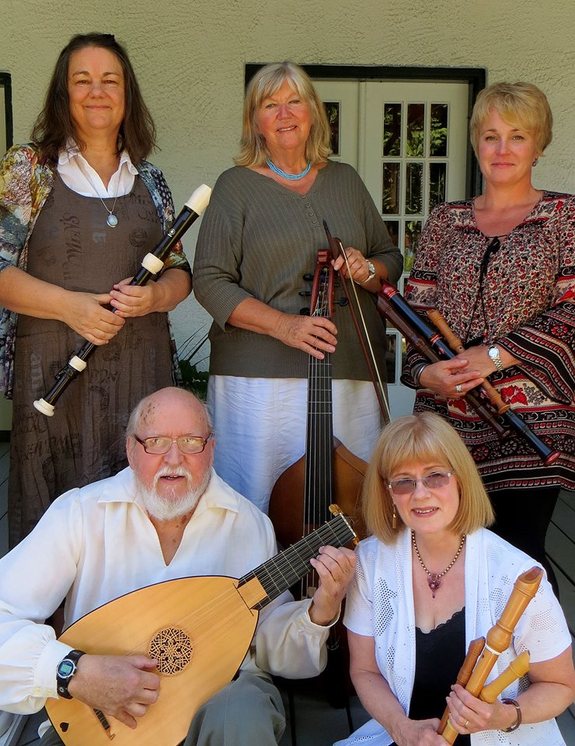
x: 408, y: 141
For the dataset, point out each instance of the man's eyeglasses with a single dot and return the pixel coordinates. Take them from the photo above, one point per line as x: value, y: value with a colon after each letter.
x: 160, y: 444
x: 406, y: 486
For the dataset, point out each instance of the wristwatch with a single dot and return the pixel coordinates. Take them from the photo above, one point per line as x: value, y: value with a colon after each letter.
x: 372, y: 273
x: 66, y: 669
x: 495, y: 356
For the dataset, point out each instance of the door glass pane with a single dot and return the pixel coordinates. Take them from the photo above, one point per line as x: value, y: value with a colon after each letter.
x: 415, y: 124
x: 438, y: 132
x: 392, y: 129
x: 390, y: 200
x: 332, y: 111
x: 413, y: 188
x: 393, y: 230
x: 412, y: 234
x: 437, y: 180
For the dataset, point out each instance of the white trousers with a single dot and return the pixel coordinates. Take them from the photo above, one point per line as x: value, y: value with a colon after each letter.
x: 260, y: 427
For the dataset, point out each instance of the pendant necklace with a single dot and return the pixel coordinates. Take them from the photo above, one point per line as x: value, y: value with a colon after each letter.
x: 284, y: 174
x: 434, y: 578
x: 112, y: 219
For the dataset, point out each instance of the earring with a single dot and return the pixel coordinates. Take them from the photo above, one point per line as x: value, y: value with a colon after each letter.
x: 394, y: 518
x: 535, y: 162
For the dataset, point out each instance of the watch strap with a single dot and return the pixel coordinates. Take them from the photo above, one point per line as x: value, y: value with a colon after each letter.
x: 372, y: 272
x: 495, y: 356
x: 62, y: 681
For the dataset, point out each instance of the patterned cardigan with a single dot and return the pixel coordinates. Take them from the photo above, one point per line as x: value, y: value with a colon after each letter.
x: 25, y: 184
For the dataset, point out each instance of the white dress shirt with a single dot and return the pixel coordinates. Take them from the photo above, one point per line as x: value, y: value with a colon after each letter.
x: 80, y: 177
x: 97, y: 543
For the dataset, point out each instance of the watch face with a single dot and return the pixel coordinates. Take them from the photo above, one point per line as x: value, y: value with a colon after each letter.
x: 66, y: 668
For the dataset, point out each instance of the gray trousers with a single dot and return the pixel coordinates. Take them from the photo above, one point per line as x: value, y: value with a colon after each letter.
x: 246, y: 712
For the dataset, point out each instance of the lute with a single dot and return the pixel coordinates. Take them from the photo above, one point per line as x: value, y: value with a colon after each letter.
x: 199, y: 630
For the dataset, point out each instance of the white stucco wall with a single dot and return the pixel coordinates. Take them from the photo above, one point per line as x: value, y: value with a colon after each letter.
x: 190, y: 54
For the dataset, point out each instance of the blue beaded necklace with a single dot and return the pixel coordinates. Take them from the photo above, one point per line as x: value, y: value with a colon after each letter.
x: 285, y: 175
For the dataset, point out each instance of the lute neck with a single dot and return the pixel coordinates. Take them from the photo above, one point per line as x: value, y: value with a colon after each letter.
x: 281, y: 572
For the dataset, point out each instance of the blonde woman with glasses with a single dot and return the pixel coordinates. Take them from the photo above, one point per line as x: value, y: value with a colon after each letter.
x: 431, y: 579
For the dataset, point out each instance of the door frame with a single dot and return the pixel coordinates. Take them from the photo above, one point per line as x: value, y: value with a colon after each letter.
x: 6, y: 99
x: 475, y: 77
x: 6, y: 140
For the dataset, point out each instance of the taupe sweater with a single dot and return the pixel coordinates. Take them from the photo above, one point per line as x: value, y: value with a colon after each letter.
x: 258, y: 240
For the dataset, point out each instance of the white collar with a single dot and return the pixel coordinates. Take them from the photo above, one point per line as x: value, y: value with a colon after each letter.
x: 72, y: 153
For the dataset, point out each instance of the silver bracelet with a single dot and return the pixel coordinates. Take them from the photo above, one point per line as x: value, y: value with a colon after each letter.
x: 518, y: 716
x: 418, y: 370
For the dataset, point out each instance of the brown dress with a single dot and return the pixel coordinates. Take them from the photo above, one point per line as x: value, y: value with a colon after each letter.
x: 73, y: 247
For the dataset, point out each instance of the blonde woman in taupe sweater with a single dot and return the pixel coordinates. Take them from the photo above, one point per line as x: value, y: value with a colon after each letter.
x: 259, y: 237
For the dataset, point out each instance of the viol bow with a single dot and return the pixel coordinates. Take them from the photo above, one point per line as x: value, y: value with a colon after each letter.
x: 336, y: 248
x: 151, y: 264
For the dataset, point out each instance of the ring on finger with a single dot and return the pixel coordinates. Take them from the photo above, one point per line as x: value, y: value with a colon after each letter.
x: 466, y: 724
x: 459, y: 388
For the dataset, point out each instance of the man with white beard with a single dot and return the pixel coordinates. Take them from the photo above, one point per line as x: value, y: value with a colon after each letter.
x: 168, y: 515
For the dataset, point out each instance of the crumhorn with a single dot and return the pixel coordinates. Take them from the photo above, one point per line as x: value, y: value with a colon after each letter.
x: 430, y: 343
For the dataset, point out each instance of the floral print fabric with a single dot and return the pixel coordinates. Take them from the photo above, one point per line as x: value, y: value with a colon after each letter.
x: 521, y: 295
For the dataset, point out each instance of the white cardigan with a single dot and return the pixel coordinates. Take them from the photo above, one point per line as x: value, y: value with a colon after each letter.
x: 380, y: 605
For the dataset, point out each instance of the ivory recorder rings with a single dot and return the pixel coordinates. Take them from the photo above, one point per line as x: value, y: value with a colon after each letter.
x: 459, y: 390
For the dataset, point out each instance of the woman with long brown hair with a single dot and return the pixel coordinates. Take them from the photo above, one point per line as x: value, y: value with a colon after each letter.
x: 79, y: 208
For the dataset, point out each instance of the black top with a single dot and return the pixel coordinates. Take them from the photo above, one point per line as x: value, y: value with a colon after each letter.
x: 439, y: 655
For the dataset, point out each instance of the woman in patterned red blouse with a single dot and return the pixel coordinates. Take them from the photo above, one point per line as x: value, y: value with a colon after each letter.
x: 501, y: 269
